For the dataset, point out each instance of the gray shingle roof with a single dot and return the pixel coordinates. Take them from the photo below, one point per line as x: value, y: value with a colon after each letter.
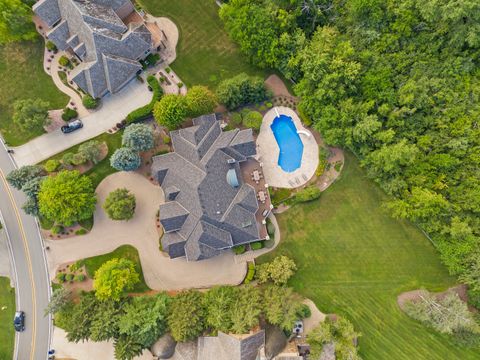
x: 228, y: 347
x: 220, y: 215
x: 96, y: 32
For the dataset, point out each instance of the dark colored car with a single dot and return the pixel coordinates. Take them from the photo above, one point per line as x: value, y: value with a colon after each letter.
x: 19, y: 321
x: 74, y: 125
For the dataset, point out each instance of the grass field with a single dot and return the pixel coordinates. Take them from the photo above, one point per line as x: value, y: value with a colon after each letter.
x: 126, y: 251
x: 205, y: 54
x: 22, y: 77
x: 7, y: 334
x: 354, y: 260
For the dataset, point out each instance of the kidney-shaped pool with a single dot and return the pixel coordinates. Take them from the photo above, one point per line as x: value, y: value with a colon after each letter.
x: 289, y: 142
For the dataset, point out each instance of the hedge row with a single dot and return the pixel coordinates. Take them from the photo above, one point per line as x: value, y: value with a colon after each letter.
x: 145, y: 112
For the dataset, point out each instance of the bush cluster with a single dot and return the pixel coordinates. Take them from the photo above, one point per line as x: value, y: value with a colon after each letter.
x: 250, y: 273
x: 145, y: 112
x: 69, y: 114
x: 310, y: 193
x: 89, y: 102
x: 241, y: 90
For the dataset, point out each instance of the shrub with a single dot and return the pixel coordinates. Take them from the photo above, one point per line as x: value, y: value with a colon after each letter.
x: 279, y: 270
x: 79, y: 278
x: 257, y: 245
x: 240, y: 249
x: 166, y: 139
x: 61, y: 277
x: 57, y: 229
x: 250, y: 273
x: 89, y: 102
x: 145, y: 112
x: 180, y: 85
x: 52, y: 165
x: 236, y: 119
x: 241, y: 90
x: 310, y: 193
x: 64, y: 61
x: 270, y: 228
x: 303, y: 116
x: 79, y: 159
x: 170, y: 111
x: 200, y: 100
x: 125, y: 159
x: 69, y: 114
x: 120, y: 205
x: 81, y: 232
x: 304, y: 311
x: 323, y: 154
x: 51, y: 46
x: 67, y: 158
x: 168, y: 70
x: 138, y: 137
x: 253, y: 120
x: 69, y: 277
x: 91, y: 151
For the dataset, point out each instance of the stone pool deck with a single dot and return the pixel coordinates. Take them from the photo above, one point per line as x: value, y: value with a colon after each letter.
x: 268, y: 152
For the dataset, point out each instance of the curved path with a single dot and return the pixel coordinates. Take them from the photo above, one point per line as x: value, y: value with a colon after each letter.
x: 160, y: 272
x: 32, y: 287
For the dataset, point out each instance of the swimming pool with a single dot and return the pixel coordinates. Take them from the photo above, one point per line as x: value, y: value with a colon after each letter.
x: 289, y: 142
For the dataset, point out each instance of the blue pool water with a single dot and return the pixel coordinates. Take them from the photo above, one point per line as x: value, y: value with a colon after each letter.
x: 289, y: 142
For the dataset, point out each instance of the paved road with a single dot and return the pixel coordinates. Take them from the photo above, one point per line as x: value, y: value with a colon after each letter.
x: 32, y: 285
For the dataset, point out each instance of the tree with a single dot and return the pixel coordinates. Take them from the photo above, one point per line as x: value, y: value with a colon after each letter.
x: 253, y: 119
x: 127, y: 348
x: 113, y: 278
x: 241, y: 90
x: 90, y: 151
x: 15, y: 22
x: 104, y: 324
x: 281, y: 306
x: 19, y: 177
x: 186, y: 318
x: 68, y: 158
x: 279, y: 270
x: 145, y: 318
x: 31, y: 189
x: 139, y: 137
x: 120, y: 205
x: 219, y: 305
x: 67, y: 197
x: 170, y: 111
x: 30, y: 114
x: 58, y: 301
x: 200, y: 100
x: 247, y: 309
x: 125, y: 159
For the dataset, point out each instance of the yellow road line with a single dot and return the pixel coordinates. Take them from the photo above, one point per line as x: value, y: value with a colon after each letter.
x: 29, y: 262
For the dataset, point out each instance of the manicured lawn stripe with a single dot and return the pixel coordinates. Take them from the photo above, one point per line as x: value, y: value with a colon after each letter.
x: 7, y: 333
x: 126, y: 251
x: 354, y: 260
x: 205, y: 54
x: 22, y: 77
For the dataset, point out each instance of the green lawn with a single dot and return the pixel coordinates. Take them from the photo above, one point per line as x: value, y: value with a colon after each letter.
x: 125, y: 251
x: 103, y: 168
x: 205, y: 54
x: 354, y: 260
x: 22, y: 77
x: 7, y: 334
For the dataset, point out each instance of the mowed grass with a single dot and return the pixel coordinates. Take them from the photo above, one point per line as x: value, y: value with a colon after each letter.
x: 22, y: 77
x: 127, y: 252
x: 7, y: 311
x: 354, y: 260
x: 205, y: 53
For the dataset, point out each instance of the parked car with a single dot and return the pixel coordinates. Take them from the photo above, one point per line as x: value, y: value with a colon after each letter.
x: 74, y: 125
x: 19, y: 321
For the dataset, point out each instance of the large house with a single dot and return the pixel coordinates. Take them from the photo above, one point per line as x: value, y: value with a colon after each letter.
x: 109, y: 38
x: 211, y: 201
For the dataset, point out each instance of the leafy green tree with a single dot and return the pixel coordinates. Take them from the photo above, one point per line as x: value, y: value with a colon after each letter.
x: 91, y: 151
x: 120, y: 205
x: 139, y: 137
x: 279, y: 270
x: 200, y: 101
x: 68, y: 158
x: 219, y: 305
x: 30, y: 114
x: 15, y: 22
x: 145, y: 318
x: 113, y: 278
x: 170, y: 111
x: 58, y: 301
x: 76, y: 319
x: 104, y: 324
x: 281, y: 306
x: 253, y: 119
x: 241, y: 90
x: 67, y: 197
x: 186, y: 318
x: 125, y: 159
x: 19, y: 177
x: 127, y: 348
x: 248, y: 307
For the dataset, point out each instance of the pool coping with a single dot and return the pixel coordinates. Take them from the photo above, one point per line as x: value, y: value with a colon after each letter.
x: 268, y: 152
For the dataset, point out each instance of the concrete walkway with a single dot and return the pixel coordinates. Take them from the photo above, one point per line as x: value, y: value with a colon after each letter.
x: 160, y: 272
x: 114, y: 108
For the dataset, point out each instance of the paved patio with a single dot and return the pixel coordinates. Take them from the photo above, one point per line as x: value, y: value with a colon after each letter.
x: 160, y: 272
x: 268, y: 152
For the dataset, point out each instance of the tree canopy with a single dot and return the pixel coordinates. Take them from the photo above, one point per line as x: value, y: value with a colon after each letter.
x: 30, y: 114
x: 113, y: 278
x: 125, y: 159
x: 120, y: 205
x: 67, y: 197
x: 171, y: 111
x: 16, y: 21
x: 200, y: 101
x: 186, y: 318
x: 139, y: 137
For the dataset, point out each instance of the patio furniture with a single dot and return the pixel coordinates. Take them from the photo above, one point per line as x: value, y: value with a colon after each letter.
x: 256, y: 176
x: 261, y: 195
